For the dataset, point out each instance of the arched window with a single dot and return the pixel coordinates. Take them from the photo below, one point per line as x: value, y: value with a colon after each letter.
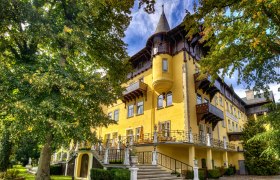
x: 160, y: 101
x: 169, y: 99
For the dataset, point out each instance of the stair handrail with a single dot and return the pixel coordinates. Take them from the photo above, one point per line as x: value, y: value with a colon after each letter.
x: 160, y: 163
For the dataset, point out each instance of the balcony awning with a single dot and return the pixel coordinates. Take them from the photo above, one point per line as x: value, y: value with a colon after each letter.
x: 135, y: 90
x: 204, y: 83
x: 209, y: 113
x: 234, y: 136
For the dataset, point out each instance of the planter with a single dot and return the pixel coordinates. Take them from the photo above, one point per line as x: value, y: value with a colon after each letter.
x: 134, y: 160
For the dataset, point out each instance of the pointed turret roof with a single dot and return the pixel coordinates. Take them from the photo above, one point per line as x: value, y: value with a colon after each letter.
x: 163, y: 25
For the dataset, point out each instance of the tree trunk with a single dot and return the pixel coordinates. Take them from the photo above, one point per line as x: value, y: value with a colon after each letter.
x: 43, y: 172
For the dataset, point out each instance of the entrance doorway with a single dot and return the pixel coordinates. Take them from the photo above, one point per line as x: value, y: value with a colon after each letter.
x: 84, y: 166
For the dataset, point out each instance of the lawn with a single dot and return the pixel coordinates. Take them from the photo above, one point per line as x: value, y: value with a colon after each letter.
x: 28, y: 176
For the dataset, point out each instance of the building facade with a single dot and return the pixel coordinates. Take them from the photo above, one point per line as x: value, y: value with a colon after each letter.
x: 171, y: 108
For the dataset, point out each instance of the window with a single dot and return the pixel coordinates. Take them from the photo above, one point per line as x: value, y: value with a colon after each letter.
x: 160, y: 101
x: 110, y: 115
x: 169, y: 99
x: 233, y: 126
x: 107, y: 136
x: 130, y: 111
x: 115, y: 139
x: 206, y: 100
x: 216, y: 101
x: 229, y: 124
x: 198, y: 99
x: 164, y: 128
x: 236, y: 127
x: 138, y: 132
x: 164, y: 65
x: 129, y: 133
x: 140, y: 108
x: 227, y: 106
x: 231, y: 111
x: 221, y: 101
x: 116, y: 115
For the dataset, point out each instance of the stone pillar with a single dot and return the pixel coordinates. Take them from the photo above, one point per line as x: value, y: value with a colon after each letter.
x: 154, y: 157
x: 126, y: 156
x: 77, y: 146
x: 131, y: 140
x: 225, y: 144
x: 55, y: 157
x: 208, y: 141
x: 195, y: 170
x: 209, y: 159
x: 106, y: 154
x: 191, y: 155
x: 225, y: 159
x: 133, y: 173
x: 190, y: 136
x: 155, y: 134
x: 67, y: 159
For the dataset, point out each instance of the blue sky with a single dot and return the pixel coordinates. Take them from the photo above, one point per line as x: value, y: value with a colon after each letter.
x: 143, y: 26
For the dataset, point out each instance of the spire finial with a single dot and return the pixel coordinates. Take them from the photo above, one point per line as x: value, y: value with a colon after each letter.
x: 162, y: 8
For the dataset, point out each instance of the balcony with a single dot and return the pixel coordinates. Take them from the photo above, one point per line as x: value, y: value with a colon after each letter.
x: 135, y: 90
x: 234, y: 136
x: 209, y: 113
x: 204, y: 83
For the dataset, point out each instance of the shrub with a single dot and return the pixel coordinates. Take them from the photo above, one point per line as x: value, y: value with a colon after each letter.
x: 229, y: 171
x: 100, y: 174
x: 116, y: 162
x: 56, y: 170
x: 113, y: 174
x: 222, y: 170
x: 201, y: 174
x: 214, y: 173
x: 11, y: 174
x: 120, y: 174
x: 188, y: 174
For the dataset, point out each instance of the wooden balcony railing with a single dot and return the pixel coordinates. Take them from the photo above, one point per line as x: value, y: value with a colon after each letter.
x: 135, y: 90
x: 209, y: 113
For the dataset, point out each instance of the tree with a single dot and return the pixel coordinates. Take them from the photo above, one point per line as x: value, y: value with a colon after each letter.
x: 272, y: 134
x: 242, y: 36
x: 256, y: 161
x: 5, y: 146
x: 60, y: 62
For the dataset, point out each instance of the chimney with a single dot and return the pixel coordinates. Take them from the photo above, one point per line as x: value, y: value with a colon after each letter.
x: 249, y: 94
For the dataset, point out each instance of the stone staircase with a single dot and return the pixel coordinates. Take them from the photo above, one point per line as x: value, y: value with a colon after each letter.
x: 151, y: 172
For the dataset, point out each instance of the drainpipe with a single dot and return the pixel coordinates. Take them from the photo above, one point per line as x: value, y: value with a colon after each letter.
x: 186, y: 93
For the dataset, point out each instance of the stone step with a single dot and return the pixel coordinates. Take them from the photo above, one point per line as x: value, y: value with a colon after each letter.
x: 159, y: 175
x: 152, y: 172
x: 148, y: 170
x: 157, y: 178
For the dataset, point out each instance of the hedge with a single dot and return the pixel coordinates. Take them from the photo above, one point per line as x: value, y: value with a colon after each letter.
x: 56, y: 169
x: 113, y: 174
x: 214, y: 173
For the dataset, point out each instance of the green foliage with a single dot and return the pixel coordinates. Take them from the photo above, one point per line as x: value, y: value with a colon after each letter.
x: 116, y: 162
x: 11, y: 174
x: 214, y: 173
x: 242, y: 36
x: 26, y: 146
x: 256, y: 161
x: 61, y: 62
x: 272, y: 134
x: 202, y: 174
x: 5, y: 147
x: 113, y: 174
x: 188, y: 174
x: 120, y: 174
x: 56, y: 169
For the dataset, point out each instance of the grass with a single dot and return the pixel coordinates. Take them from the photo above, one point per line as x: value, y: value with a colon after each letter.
x: 28, y: 176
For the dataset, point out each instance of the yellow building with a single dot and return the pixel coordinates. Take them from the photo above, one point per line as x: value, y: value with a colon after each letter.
x: 170, y: 108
